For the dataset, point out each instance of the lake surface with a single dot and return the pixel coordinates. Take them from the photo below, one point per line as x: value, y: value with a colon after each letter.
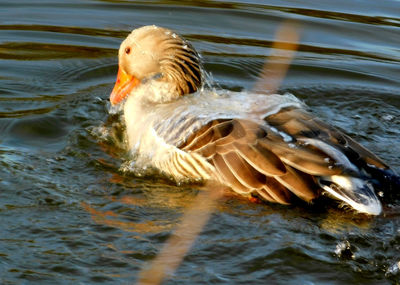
x: 69, y: 214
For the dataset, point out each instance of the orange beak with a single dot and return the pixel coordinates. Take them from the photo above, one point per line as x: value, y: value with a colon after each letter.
x: 123, y: 86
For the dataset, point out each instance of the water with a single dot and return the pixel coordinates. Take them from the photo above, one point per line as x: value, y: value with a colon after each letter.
x: 69, y: 215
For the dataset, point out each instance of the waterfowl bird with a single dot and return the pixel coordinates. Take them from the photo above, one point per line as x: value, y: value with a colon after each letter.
x: 264, y: 146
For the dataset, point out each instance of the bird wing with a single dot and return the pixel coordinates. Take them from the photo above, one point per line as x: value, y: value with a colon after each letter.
x: 280, y: 158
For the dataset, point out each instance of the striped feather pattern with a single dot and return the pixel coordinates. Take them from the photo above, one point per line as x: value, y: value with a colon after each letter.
x: 272, y: 160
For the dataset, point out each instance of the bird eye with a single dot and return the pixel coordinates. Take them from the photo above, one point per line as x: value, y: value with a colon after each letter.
x: 127, y: 50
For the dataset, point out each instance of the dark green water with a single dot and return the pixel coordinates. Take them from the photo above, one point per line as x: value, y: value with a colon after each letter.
x: 69, y: 215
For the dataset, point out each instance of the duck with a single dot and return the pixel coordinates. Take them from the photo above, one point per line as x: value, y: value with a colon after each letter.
x: 268, y: 147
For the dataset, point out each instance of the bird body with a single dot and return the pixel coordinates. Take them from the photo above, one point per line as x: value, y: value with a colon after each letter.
x: 269, y: 146
x: 156, y: 131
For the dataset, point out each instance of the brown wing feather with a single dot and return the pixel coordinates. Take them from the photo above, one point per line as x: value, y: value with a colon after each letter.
x: 203, y: 136
x: 298, y: 123
x: 262, y: 159
x: 299, y: 183
x: 365, y: 154
x: 244, y: 162
x: 244, y: 172
x: 263, y: 194
x: 226, y: 175
x: 277, y: 191
x: 304, y: 158
x: 274, y: 160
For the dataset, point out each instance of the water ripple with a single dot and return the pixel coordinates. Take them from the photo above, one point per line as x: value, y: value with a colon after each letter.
x: 69, y: 212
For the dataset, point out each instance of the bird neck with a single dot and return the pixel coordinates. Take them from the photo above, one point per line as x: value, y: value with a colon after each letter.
x: 154, y: 92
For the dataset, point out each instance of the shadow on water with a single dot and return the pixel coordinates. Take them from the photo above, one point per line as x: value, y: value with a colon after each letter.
x: 71, y: 214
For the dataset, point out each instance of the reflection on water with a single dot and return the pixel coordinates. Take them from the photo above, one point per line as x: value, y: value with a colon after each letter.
x: 70, y: 214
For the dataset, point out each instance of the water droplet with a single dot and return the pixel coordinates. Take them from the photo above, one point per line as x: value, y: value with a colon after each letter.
x: 185, y: 47
x: 345, y: 250
x: 394, y: 269
x: 285, y: 136
x: 387, y: 117
x: 274, y: 129
x: 174, y: 35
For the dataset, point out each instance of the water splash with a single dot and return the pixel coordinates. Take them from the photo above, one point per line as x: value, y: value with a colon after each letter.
x: 345, y: 250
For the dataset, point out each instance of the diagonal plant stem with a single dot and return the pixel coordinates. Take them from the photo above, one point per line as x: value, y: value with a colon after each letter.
x: 278, y: 62
x: 197, y: 216
x: 180, y: 242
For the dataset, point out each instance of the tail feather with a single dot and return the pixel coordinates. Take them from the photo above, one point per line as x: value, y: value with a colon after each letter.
x: 356, y: 192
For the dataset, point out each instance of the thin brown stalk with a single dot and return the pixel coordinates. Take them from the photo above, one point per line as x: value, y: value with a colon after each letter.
x: 197, y: 216
x: 278, y: 62
x: 175, y: 249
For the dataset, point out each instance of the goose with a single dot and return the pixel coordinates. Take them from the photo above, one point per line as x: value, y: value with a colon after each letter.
x: 264, y: 146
